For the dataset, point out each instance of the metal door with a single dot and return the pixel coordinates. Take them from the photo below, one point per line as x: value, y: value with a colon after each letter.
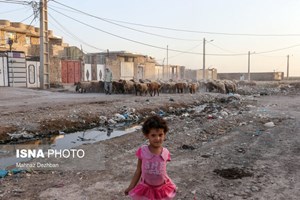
x: 100, y: 72
x: 17, y: 69
x: 140, y: 72
x: 3, y: 71
x: 87, y: 72
x: 33, y: 80
x: 70, y: 71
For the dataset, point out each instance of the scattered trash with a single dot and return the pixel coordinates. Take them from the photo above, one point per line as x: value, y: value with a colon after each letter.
x: 102, y: 119
x: 16, y: 171
x: 3, y: 173
x: 22, y: 135
x: 161, y: 113
x: 119, y: 118
x: 210, y: 117
x: 257, y: 133
x: 185, y: 114
x: 111, y: 121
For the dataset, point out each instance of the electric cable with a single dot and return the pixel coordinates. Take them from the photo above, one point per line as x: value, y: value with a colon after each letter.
x: 190, y: 31
x: 15, y: 2
x: 133, y: 29
x: 10, y: 11
x: 72, y: 35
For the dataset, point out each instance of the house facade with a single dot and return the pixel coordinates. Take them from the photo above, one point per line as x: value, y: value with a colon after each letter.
x: 19, y: 37
x: 124, y: 65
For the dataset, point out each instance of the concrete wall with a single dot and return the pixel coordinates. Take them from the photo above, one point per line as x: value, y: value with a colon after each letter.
x: 197, y: 75
x: 258, y: 76
x: 149, y: 71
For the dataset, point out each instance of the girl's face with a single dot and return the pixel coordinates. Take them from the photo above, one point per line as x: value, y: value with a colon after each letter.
x: 156, y: 137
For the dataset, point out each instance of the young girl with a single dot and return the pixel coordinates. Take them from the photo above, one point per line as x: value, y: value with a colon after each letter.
x: 150, y: 180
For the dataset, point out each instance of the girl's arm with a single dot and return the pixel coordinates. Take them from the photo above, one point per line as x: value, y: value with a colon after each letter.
x: 136, y: 177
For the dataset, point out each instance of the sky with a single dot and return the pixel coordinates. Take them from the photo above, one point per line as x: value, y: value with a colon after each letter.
x: 268, y: 29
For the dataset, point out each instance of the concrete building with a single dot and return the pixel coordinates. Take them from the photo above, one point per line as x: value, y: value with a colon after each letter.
x: 18, y: 37
x: 124, y: 65
x: 26, y: 38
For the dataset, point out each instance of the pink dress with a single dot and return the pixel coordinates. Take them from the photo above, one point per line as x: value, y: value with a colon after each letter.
x: 154, y: 183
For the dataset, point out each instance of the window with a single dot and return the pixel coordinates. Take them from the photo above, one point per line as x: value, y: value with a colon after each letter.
x: 10, y: 35
x: 27, y: 40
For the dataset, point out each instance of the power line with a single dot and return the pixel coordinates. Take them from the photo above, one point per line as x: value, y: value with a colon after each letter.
x: 176, y: 55
x: 270, y: 51
x: 226, y: 50
x: 10, y: 11
x: 133, y: 29
x: 205, y: 32
x: 28, y: 18
x: 15, y: 2
x: 163, y: 48
x: 142, y: 43
x: 72, y: 35
x: 183, y: 30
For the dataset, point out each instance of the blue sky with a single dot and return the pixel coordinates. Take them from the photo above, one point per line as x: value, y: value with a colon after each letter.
x: 250, y: 17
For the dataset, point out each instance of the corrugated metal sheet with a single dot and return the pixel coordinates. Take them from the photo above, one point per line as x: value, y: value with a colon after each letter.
x: 71, y: 71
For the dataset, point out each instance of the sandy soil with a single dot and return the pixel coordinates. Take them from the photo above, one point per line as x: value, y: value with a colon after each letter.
x: 219, y: 144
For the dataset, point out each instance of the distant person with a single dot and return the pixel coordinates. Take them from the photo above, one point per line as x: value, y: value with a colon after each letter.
x: 150, y: 180
x: 107, y: 81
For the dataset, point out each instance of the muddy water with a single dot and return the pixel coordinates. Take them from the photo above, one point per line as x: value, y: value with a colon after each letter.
x: 63, y: 141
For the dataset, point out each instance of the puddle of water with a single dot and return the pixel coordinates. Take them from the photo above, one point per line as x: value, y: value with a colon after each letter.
x: 64, y: 141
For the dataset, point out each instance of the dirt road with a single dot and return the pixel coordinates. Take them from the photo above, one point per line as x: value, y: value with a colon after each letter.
x: 221, y: 146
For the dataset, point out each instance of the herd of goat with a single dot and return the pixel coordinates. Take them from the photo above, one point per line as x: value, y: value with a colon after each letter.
x: 144, y: 87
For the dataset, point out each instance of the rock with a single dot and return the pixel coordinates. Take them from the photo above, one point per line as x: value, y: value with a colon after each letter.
x: 190, y: 147
x: 269, y: 124
x: 223, y: 113
x: 243, y: 123
x: 254, y: 189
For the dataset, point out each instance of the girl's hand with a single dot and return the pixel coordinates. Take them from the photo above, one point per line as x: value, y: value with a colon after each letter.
x: 127, y: 191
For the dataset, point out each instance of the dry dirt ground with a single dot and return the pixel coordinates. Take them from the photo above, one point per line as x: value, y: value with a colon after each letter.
x: 220, y: 145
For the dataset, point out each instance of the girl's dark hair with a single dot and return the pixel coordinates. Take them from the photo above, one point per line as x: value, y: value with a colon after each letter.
x: 154, y: 122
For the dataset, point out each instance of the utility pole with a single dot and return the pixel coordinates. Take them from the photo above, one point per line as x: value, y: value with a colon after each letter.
x: 44, y: 46
x: 163, y: 69
x: 168, y: 70
x: 287, y: 67
x: 249, y: 66
x: 203, y: 75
